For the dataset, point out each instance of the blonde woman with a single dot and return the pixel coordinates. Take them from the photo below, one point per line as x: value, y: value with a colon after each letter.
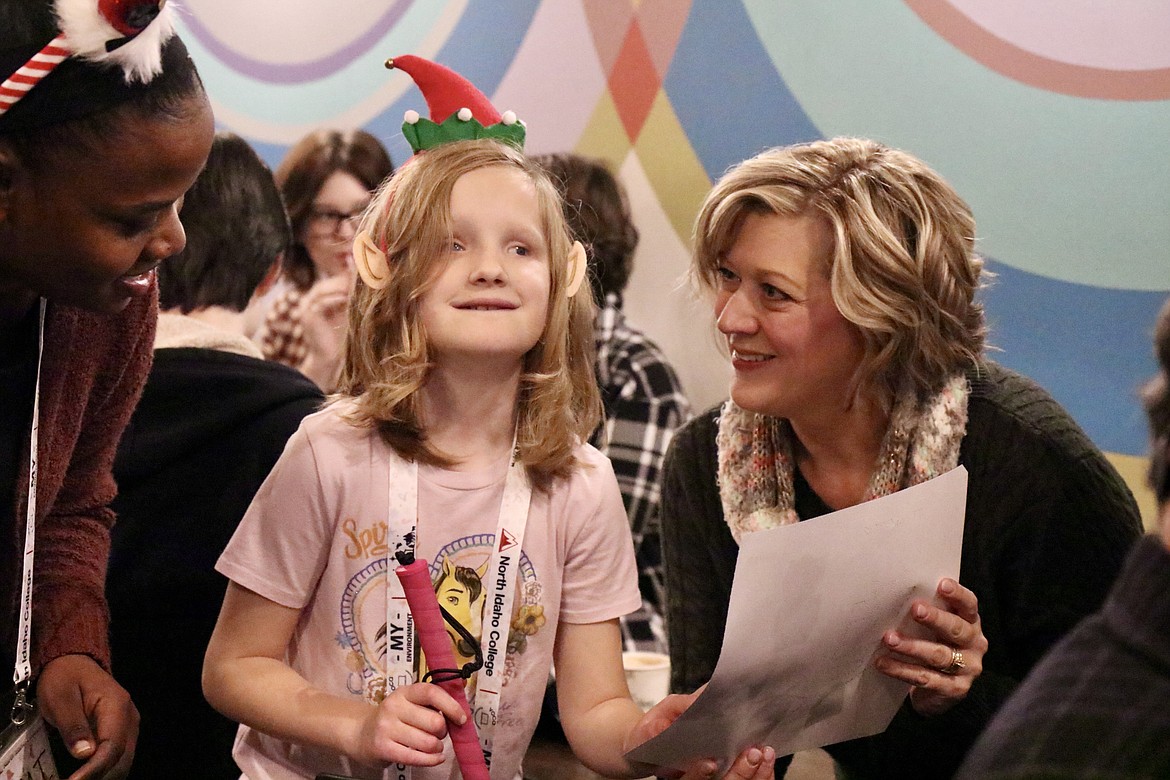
x: 844, y: 280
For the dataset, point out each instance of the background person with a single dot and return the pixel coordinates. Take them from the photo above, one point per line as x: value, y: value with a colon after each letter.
x: 845, y: 280
x: 643, y: 400
x: 326, y: 180
x: 213, y: 419
x: 92, y: 170
x: 1095, y: 706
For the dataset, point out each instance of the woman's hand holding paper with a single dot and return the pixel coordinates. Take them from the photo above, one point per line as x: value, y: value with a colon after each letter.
x: 942, y: 668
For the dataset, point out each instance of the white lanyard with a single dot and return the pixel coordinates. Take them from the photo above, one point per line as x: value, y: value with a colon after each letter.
x: 23, y: 671
x: 500, y: 584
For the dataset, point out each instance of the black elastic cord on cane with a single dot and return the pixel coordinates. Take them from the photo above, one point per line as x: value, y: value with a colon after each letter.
x: 469, y: 668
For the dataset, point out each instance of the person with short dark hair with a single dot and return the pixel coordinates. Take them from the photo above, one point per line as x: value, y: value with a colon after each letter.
x: 213, y: 419
x: 644, y: 401
x: 237, y: 233
x: 1095, y: 706
x: 94, y: 159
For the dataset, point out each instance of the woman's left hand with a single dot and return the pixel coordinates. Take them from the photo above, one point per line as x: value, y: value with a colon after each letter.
x: 941, y: 668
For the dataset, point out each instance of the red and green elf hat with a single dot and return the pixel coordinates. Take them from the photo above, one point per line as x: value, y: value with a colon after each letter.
x: 459, y: 111
x: 463, y: 113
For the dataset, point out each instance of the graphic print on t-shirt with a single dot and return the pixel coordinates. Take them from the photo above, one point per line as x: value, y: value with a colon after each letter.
x: 463, y: 587
x: 460, y: 592
x: 363, y: 636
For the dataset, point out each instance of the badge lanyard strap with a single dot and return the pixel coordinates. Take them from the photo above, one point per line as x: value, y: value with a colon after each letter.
x: 501, y: 578
x: 23, y: 672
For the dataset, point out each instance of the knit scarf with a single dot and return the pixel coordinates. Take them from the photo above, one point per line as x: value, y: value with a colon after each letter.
x: 756, y: 461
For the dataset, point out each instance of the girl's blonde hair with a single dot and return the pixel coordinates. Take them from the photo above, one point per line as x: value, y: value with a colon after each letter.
x: 903, y: 268
x: 386, y: 355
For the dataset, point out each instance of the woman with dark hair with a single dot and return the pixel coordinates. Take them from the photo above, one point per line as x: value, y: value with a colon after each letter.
x: 94, y: 160
x: 326, y: 181
x: 845, y: 281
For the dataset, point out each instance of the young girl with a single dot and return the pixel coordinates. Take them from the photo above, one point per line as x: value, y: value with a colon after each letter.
x: 467, y: 383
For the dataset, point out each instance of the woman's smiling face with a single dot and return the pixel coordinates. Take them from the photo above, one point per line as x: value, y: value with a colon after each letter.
x: 329, y: 230
x: 88, y: 229
x: 793, y: 352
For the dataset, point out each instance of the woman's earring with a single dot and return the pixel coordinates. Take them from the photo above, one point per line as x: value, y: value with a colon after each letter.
x: 578, y: 264
x: 371, y: 262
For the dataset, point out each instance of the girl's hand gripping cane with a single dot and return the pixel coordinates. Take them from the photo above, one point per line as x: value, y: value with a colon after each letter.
x: 428, y: 623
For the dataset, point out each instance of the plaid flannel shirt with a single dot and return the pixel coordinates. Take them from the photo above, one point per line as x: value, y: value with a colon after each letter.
x: 644, y: 406
x: 281, y: 338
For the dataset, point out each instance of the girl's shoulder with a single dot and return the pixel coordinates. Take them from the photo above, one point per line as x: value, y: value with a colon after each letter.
x: 332, y: 425
x: 592, y: 475
x: 589, y: 458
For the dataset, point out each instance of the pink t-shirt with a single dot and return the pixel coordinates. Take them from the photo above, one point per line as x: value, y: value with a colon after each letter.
x: 315, y: 539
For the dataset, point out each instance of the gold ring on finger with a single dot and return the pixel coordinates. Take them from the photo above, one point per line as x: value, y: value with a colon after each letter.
x: 956, y: 663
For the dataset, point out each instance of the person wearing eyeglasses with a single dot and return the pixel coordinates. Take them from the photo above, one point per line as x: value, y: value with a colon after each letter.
x: 326, y: 180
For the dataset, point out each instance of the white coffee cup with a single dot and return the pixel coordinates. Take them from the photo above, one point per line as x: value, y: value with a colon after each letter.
x: 647, y: 675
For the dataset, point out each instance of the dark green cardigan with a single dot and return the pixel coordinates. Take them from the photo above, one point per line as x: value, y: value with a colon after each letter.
x: 1048, y: 524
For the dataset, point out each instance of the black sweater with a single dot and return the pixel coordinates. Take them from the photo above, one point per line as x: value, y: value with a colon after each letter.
x: 1048, y: 524
x: 209, y: 428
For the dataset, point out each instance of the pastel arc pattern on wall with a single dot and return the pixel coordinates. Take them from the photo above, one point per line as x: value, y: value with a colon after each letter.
x: 1070, y: 190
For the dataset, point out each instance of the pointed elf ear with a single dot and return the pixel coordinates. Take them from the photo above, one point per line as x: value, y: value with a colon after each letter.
x: 371, y: 262
x: 578, y: 264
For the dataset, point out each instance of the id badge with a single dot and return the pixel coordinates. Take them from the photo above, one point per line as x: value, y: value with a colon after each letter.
x: 25, y: 752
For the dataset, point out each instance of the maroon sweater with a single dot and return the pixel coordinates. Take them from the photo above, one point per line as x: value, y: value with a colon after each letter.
x: 92, y: 372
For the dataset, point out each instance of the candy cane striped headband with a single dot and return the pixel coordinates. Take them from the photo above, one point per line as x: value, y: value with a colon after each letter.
x: 128, y: 34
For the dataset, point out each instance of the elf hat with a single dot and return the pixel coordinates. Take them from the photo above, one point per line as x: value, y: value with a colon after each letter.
x: 124, y: 34
x: 458, y: 110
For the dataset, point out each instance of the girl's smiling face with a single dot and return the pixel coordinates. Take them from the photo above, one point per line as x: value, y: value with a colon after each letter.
x: 88, y: 232
x: 489, y: 297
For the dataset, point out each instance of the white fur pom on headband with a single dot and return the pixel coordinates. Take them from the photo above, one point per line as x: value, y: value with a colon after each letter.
x: 128, y: 33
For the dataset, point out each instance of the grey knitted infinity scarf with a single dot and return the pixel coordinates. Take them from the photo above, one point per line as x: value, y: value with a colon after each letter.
x: 756, y: 461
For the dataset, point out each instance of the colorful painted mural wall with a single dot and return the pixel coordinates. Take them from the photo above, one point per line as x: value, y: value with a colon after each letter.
x: 1051, y: 117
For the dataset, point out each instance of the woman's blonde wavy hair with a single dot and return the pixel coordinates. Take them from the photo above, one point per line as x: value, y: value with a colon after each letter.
x: 903, y: 268
x: 386, y: 357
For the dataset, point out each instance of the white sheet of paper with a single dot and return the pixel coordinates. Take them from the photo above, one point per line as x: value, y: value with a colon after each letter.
x: 809, y: 604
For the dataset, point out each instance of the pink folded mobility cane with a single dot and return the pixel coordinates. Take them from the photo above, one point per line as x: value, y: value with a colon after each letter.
x: 429, y: 624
